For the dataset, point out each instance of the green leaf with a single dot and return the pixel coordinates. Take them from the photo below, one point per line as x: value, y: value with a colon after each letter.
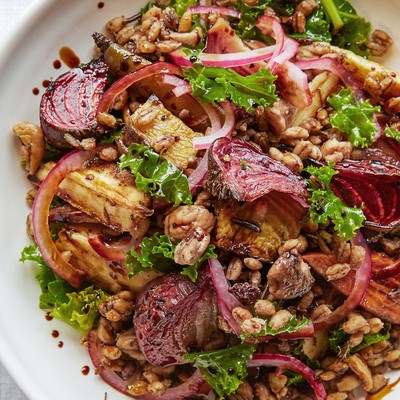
x: 339, y: 337
x: 81, y: 310
x: 317, y: 27
x: 155, y: 175
x: 77, y: 308
x: 357, y: 120
x: 293, y: 325
x: 157, y: 252
x: 326, y: 205
x: 182, y: 5
x: 216, y: 84
x: 224, y: 369
x: 392, y: 133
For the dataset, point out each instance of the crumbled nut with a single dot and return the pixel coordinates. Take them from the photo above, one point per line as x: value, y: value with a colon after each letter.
x: 360, y: 368
x: 192, y: 247
x: 111, y: 352
x: 327, y: 376
x: 185, y: 22
x: 337, y: 271
x: 253, y: 326
x: 375, y: 324
x: 307, y: 7
x: 379, y: 382
x: 379, y: 43
x: 356, y: 339
x: 265, y: 308
x: 348, y: 383
x: 138, y: 388
x: 320, y: 313
x: 240, y: 314
x: 280, y: 319
x: 356, y: 323
x: 300, y: 244
x: 116, y: 24
x: 234, y: 269
x: 337, y: 396
x: 277, y: 382
x: 252, y: 263
x: 393, y: 355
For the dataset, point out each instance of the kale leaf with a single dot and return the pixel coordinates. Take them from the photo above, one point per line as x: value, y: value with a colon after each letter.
x: 224, y: 369
x: 156, y: 175
x: 77, y: 308
x: 157, y: 252
x: 216, y: 84
x: 355, y: 119
x: 326, y: 205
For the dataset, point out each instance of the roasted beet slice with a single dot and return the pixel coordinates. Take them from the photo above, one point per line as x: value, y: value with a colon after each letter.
x: 69, y: 104
x: 174, y: 315
x: 238, y: 170
x: 374, y: 185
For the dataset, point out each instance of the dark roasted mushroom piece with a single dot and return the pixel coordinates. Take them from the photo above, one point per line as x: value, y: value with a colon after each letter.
x: 289, y: 277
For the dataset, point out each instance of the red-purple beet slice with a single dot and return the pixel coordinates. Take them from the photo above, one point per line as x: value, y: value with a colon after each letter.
x: 374, y: 185
x: 174, y: 315
x: 69, y: 104
x: 239, y: 170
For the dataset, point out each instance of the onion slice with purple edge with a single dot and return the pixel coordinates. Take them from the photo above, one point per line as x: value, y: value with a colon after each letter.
x: 195, y: 384
x: 204, y: 142
x: 197, y: 177
x: 285, y: 362
x: 230, y: 12
x: 361, y: 282
x: 40, y: 216
x: 133, y: 77
x: 112, y: 250
x: 227, y: 302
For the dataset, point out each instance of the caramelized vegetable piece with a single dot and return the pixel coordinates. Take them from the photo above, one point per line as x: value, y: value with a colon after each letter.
x: 119, y: 60
x: 173, y: 314
x: 108, y: 275
x: 258, y: 228
x: 69, y: 104
x: 240, y: 171
x: 380, y: 298
x: 154, y: 124
x: 106, y: 193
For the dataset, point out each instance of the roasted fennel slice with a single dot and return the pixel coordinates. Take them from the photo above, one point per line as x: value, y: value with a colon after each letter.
x: 153, y: 124
x: 106, y: 193
x: 108, y: 275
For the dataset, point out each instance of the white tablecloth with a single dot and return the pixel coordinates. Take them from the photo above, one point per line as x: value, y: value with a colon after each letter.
x: 10, y: 10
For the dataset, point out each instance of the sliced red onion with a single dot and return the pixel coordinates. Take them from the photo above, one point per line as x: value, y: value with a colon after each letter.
x: 192, y: 386
x: 226, y: 300
x: 230, y: 12
x: 361, y: 282
x: 110, y: 249
x: 40, y: 216
x: 204, y: 142
x: 229, y: 60
x: 270, y: 26
x: 197, y: 177
x: 290, y: 47
x: 334, y: 66
x: 285, y: 362
x: 133, y: 77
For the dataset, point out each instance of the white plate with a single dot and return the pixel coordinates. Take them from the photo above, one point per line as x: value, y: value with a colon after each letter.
x: 27, y: 348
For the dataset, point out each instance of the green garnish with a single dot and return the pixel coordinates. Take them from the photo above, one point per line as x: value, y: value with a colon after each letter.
x: 355, y: 119
x: 156, y: 175
x: 224, y: 369
x: 216, y: 84
x: 326, y: 205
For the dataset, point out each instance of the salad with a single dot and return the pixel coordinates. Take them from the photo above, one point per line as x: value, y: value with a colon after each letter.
x: 215, y: 201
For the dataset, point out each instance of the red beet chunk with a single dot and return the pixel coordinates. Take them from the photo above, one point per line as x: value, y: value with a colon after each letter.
x: 239, y: 170
x: 374, y: 185
x: 174, y: 316
x: 69, y: 104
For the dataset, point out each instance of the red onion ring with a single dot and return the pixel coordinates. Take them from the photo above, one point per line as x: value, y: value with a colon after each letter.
x: 228, y: 60
x: 197, y: 177
x: 193, y: 385
x: 126, y: 81
x: 112, y: 250
x: 226, y: 300
x: 270, y: 26
x: 361, y: 282
x: 204, y: 142
x: 230, y: 12
x: 334, y: 66
x: 283, y: 362
x: 40, y: 216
